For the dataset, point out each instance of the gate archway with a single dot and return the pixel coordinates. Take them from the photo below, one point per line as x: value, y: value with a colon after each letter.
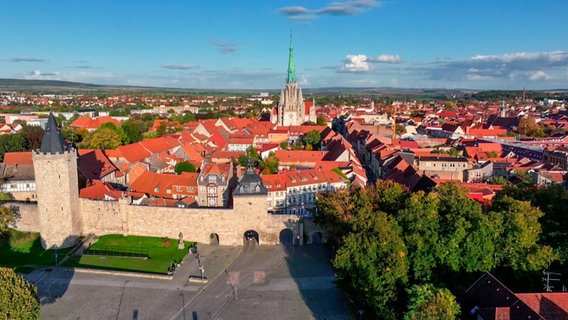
x: 286, y: 237
x: 251, y: 235
x: 214, y: 239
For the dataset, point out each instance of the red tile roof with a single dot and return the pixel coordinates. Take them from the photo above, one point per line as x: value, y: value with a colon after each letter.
x: 94, y: 164
x: 92, y: 123
x: 550, y: 305
x: 100, y: 191
x: 287, y: 156
x: 134, y: 152
x: 14, y: 158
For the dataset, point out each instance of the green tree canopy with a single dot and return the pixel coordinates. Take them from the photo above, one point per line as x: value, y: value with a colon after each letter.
x: 105, y: 138
x: 371, y: 265
x: 134, y: 129
x: 517, y: 243
x: 421, y: 227
x: 11, y: 143
x: 427, y: 302
x: 18, y: 297
x: 252, y: 154
x: 271, y: 162
x: 184, y: 166
x: 312, y: 138
x: 9, y: 214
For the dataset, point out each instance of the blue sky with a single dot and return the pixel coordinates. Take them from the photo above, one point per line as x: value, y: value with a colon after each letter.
x: 496, y: 44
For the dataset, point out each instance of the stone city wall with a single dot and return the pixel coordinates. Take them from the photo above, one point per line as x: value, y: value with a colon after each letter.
x: 197, y: 224
x: 29, y: 220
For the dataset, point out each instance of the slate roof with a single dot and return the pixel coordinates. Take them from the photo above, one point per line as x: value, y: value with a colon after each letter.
x: 250, y: 183
x: 53, y: 141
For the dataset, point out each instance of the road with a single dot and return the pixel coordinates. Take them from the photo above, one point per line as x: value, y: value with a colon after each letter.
x: 249, y: 282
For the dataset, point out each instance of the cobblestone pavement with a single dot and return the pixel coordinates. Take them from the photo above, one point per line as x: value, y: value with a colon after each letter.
x: 250, y: 282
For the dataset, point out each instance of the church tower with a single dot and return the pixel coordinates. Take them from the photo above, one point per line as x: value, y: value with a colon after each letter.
x: 57, y: 186
x: 292, y: 110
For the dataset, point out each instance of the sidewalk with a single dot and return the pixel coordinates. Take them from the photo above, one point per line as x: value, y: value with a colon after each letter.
x: 214, y: 260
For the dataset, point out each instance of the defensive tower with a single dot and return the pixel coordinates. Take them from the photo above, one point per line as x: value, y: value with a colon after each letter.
x: 57, y: 187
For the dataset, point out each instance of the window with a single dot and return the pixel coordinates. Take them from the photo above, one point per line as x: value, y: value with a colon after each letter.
x: 178, y: 188
x: 202, y: 188
x: 212, y: 191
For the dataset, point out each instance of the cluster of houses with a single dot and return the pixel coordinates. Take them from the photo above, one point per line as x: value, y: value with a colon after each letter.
x: 144, y: 171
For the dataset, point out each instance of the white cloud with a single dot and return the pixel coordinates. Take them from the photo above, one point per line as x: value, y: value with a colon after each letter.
x: 538, y: 75
x: 362, y: 63
x: 509, y: 66
x: 356, y: 63
x: 386, y: 58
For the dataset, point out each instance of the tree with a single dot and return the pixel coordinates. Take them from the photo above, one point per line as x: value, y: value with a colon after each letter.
x: 528, y: 127
x: 271, y: 162
x: 184, y: 166
x: 8, y: 214
x: 251, y: 154
x: 421, y: 233
x: 335, y: 213
x: 18, y: 297
x: 134, y: 130
x: 371, y: 266
x: 11, y: 143
x: 33, y: 136
x: 320, y: 121
x: 427, y: 302
x: 312, y: 138
x: 105, y: 138
x: 387, y: 196
x: 517, y: 243
x: 467, y: 235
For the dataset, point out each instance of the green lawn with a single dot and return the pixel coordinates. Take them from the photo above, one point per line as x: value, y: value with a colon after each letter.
x: 19, y: 249
x: 161, y: 253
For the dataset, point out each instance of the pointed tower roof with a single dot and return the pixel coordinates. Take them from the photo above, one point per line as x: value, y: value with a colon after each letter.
x: 291, y: 68
x: 250, y: 183
x: 53, y: 141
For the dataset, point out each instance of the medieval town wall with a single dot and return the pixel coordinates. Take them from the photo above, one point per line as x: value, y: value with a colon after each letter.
x: 28, y: 216
x: 196, y: 224
x: 102, y: 217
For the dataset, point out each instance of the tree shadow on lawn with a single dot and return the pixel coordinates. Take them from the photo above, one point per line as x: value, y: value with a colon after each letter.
x: 28, y: 255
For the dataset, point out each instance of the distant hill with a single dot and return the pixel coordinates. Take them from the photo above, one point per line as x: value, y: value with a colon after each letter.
x: 54, y: 86
x: 68, y: 87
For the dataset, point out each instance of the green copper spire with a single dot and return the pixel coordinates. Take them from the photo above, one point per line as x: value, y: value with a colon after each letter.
x: 291, y: 69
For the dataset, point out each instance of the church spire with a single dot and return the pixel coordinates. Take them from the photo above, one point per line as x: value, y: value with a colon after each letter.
x: 291, y: 68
